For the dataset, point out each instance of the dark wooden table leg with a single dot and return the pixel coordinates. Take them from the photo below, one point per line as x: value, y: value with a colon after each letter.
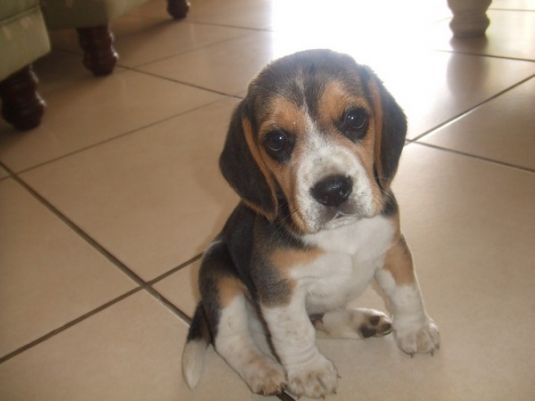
x: 100, y: 56
x: 178, y: 9
x: 22, y: 106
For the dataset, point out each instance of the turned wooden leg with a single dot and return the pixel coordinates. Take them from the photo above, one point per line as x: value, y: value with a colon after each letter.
x: 469, y: 17
x: 22, y: 106
x: 178, y: 9
x: 100, y: 56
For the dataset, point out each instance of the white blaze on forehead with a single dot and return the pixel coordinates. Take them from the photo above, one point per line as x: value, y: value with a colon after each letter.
x: 323, y: 156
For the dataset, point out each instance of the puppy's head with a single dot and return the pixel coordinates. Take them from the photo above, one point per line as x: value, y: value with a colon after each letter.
x: 315, y: 143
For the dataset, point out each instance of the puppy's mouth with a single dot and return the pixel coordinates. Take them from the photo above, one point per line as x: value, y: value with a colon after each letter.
x: 340, y: 218
x: 327, y: 218
x: 340, y: 215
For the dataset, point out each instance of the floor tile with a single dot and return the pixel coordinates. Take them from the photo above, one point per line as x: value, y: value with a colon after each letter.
x: 436, y: 87
x: 241, y: 13
x: 502, y: 129
x: 155, y: 198
x: 89, y: 111
x: 48, y: 275
x: 181, y: 288
x: 273, y: 15
x: 226, y: 67
x: 340, y: 16
x: 510, y: 34
x: 513, y: 4
x: 470, y: 226
x: 130, y: 351
x: 140, y: 39
x: 60, y: 69
x: 433, y: 88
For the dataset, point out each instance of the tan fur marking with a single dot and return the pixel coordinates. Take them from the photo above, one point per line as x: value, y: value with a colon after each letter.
x: 283, y: 114
x: 364, y: 152
x: 228, y: 288
x: 286, y: 115
x: 398, y: 262
x: 334, y: 101
x: 287, y: 258
x: 378, y: 114
x: 247, y: 129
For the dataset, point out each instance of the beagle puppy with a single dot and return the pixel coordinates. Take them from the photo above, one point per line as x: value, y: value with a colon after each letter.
x: 311, y: 150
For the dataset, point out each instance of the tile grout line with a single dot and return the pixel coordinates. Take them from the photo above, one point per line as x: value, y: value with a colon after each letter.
x: 469, y: 53
x: 181, y: 53
x: 270, y: 30
x: 67, y: 325
x: 512, y: 9
x: 122, y: 135
x: 152, y: 74
x: 470, y: 109
x: 155, y: 75
x: 247, y: 31
x: 171, y: 306
x: 168, y: 273
x: 482, y: 158
x: 250, y: 28
x: 189, y: 20
x: 107, y: 254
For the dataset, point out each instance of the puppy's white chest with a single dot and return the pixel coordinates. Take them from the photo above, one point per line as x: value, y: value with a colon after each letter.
x: 352, y: 254
x: 363, y: 239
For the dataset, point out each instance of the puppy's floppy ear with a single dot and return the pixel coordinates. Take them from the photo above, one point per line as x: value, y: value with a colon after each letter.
x: 390, y: 131
x: 243, y: 167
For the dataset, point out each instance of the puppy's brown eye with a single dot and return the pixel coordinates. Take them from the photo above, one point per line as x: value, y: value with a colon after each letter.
x: 354, y: 123
x: 276, y: 141
x: 279, y: 144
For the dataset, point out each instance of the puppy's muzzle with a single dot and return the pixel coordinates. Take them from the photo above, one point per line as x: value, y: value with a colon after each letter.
x: 333, y: 190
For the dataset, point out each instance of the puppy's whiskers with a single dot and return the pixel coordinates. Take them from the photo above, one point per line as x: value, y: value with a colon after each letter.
x: 289, y: 215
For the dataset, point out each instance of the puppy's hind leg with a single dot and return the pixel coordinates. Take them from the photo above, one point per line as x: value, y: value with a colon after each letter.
x: 229, y: 315
x: 352, y: 323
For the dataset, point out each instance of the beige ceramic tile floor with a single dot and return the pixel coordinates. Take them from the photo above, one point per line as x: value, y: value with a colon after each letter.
x: 105, y: 208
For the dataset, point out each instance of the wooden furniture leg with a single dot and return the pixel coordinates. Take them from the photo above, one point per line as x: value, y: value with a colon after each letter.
x: 469, y: 17
x: 100, y: 56
x: 22, y: 106
x: 178, y: 9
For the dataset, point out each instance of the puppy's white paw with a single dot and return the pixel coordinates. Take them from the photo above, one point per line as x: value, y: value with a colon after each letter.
x: 422, y: 337
x: 316, y: 379
x: 264, y: 376
x: 352, y: 323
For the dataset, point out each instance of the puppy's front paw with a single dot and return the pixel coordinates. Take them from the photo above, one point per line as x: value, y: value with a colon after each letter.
x: 316, y: 379
x: 265, y: 377
x: 417, y: 337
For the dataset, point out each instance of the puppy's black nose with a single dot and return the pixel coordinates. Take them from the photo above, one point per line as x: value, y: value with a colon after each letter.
x: 333, y: 190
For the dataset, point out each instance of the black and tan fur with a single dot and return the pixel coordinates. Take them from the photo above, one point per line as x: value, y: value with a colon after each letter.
x: 254, y: 274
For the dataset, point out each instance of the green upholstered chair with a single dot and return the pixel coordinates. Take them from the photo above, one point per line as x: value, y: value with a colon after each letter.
x: 91, y: 19
x: 23, y: 39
